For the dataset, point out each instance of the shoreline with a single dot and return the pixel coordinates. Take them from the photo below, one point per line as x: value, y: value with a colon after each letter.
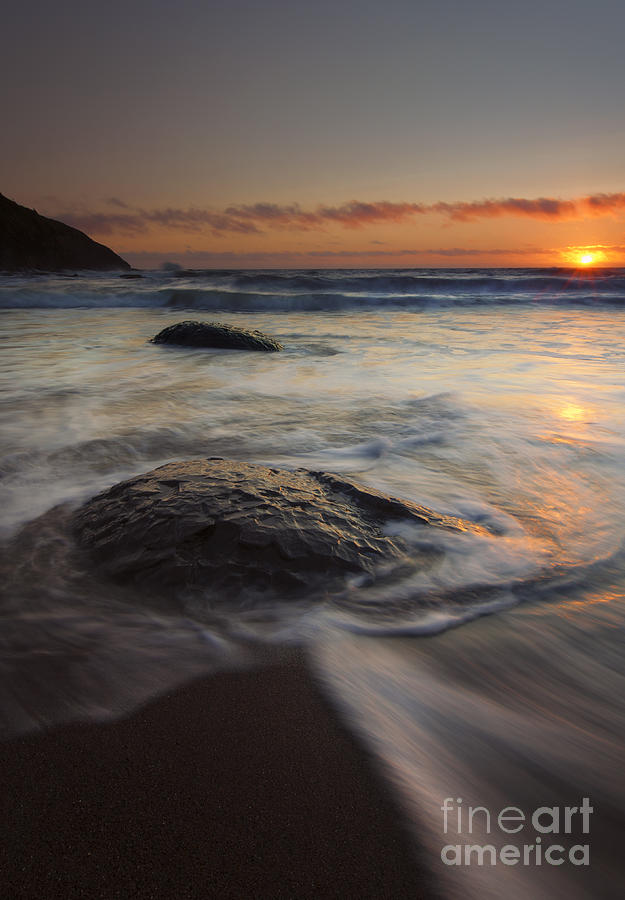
x: 236, y: 784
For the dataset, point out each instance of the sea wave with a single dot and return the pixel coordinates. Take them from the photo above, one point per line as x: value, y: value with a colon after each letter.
x: 315, y: 290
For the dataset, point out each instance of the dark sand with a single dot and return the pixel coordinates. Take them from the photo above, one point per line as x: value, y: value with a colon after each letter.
x: 238, y: 785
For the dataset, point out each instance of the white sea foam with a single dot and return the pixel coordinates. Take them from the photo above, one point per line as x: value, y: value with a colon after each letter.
x: 508, y: 415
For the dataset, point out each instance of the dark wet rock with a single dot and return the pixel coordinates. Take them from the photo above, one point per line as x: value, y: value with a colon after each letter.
x: 30, y: 241
x: 215, y: 334
x: 227, y: 529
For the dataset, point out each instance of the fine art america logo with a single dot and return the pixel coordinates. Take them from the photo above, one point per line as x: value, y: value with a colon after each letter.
x: 547, y: 822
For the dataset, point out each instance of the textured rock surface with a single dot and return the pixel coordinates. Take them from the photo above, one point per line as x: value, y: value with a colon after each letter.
x: 215, y: 334
x: 31, y: 241
x: 226, y: 528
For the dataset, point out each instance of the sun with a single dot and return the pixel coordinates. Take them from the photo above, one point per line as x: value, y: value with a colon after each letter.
x: 585, y: 256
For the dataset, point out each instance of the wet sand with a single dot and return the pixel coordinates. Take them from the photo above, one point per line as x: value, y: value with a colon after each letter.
x: 236, y: 785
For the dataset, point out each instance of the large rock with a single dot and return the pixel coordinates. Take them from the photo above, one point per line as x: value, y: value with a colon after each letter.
x: 30, y: 241
x: 230, y: 530
x: 215, y: 334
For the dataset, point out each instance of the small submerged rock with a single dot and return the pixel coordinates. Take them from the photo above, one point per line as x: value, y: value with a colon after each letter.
x: 228, y: 530
x: 215, y: 334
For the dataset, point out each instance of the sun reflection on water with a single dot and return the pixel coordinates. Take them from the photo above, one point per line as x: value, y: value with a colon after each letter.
x: 572, y: 412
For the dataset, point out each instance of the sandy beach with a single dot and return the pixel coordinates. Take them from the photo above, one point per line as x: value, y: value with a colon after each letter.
x: 236, y: 785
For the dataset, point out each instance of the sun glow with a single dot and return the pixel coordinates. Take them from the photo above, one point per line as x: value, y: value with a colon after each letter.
x: 572, y: 412
x: 584, y: 256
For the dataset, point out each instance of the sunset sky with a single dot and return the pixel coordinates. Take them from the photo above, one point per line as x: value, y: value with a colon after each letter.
x: 354, y: 133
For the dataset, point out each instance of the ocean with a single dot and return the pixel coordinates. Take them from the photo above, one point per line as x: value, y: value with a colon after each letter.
x: 496, y: 678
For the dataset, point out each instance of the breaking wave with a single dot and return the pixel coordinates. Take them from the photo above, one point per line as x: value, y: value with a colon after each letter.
x: 315, y: 290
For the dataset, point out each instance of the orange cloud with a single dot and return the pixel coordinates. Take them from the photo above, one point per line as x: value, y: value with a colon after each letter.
x: 541, y: 208
x: 548, y: 208
x: 139, y: 222
x: 299, y: 258
x: 254, y: 218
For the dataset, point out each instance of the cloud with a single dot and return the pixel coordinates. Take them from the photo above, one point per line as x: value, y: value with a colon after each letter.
x: 199, y: 220
x: 604, y: 204
x: 358, y: 214
x: 541, y: 208
x: 115, y: 201
x: 608, y: 248
x: 441, y: 251
x: 274, y: 215
x: 300, y: 258
x: 141, y: 221
x: 548, y: 208
x: 105, y: 223
x: 495, y: 251
x: 260, y: 217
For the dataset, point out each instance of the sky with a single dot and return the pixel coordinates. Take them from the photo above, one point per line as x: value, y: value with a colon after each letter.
x: 326, y: 134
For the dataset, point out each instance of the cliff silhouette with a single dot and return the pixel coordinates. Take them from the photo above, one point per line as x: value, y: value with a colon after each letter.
x: 30, y: 241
